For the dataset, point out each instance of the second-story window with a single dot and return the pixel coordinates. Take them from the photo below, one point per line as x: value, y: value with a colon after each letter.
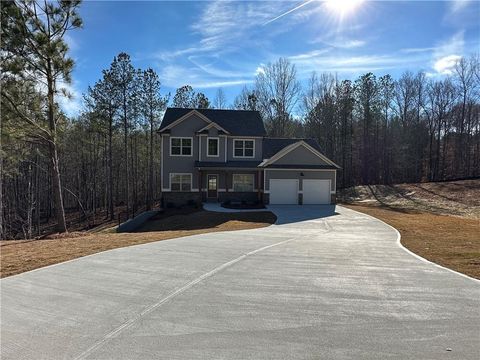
x: 243, y: 148
x: 180, y: 146
x: 212, y: 147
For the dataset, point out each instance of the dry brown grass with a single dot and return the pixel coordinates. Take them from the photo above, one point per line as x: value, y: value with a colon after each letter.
x: 450, y: 241
x: 460, y: 198
x: 18, y: 256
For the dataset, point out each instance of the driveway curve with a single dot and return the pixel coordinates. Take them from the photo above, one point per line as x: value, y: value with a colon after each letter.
x: 323, y: 283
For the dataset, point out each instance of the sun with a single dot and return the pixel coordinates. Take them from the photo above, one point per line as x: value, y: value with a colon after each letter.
x: 342, y: 7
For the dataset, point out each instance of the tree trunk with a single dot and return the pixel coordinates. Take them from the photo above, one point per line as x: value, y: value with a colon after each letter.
x: 2, y: 231
x: 150, y: 168
x: 110, y: 170
x: 55, y: 169
x: 125, y: 146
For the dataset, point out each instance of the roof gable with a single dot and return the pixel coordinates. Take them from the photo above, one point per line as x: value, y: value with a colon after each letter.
x: 235, y: 122
x: 295, y: 144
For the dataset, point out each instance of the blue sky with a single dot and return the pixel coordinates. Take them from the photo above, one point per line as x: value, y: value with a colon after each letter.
x: 212, y: 44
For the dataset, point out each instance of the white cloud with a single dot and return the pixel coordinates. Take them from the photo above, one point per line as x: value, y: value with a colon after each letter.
x: 260, y: 69
x: 226, y: 22
x: 216, y: 84
x: 458, y: 5
x: 288, y: 12
x: 417, y: 50
x: 447, y: 53
x: 71, y: 42
x: 308, y: 55
x: 223, y: 27
x: 454, y: 44
x: 349, y: 44
x: 445, y: 65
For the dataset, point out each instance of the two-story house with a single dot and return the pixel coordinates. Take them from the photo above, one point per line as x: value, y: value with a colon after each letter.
x: 219, y: 155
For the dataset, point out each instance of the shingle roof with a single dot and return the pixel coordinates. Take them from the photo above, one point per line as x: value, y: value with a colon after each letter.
x: 271, y: 146
x: 237, y: 122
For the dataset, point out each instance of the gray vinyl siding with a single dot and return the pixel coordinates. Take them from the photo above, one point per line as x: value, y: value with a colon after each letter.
x: 188, y: 126
x: 300, y: 156
x: 221, y: 146
x: 182, y: 164
x: 295, y: 174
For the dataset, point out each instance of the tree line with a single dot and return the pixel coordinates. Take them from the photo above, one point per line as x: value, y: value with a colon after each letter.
x: 57, y: 171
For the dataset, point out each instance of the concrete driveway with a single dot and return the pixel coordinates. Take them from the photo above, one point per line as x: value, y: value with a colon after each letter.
x: 324, y: 283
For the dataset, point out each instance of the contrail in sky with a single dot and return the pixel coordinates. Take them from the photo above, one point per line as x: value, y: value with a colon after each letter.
x: 289, y: 11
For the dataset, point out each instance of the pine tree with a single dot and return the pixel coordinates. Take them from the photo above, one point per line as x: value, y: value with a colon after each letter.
x: 34, y: 49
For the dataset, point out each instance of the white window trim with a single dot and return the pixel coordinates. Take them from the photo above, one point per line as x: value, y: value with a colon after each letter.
x: 181, y: 137
x: 243, y: 157
x: 253, y: 182
x: 191, y: 180
x: 218, y: 146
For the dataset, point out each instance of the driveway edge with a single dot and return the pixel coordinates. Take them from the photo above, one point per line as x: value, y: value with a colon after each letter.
x: 399, y: 243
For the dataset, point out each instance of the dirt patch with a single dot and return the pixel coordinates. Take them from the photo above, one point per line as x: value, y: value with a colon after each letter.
x: 202, y: 220
x: 450, y: 241
x: 18, y: 256
x: 457, y: 198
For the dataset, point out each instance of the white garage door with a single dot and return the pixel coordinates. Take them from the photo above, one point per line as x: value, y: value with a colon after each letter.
x: 283, y: 191
x: 316, y: 191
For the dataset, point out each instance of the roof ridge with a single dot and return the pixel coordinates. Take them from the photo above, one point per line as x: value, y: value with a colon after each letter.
x: 211, y: 109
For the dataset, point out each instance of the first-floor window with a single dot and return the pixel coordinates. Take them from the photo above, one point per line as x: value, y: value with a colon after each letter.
x: 243, y: 182
x: 181, y: 182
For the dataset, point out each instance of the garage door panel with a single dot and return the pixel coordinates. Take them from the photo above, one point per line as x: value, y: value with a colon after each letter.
x: 283, y: 191
x: 316, y: 191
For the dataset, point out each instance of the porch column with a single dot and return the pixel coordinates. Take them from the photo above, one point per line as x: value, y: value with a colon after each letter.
x: 226, y: 181
x: 200, y: 184
x: 259, y: 182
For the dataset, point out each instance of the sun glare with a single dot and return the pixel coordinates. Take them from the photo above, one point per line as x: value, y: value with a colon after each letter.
x: 342, y: 7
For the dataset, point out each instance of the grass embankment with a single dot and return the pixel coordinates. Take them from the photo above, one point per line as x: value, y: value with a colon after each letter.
x: 18, y: 256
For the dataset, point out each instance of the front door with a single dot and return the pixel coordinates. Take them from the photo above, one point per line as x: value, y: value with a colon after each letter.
x: 212, y: 181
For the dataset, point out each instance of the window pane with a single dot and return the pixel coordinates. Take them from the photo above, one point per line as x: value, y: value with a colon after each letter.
x: 249, y: 152
x: 186, y: 142
x: 249, y: 144
x: 186, y: 151
x: 212, y: 147
x: 238, y: 144
x: 238, y: 152
x: 181, y: 182
x: 175, y: 150
x: 243, y: 182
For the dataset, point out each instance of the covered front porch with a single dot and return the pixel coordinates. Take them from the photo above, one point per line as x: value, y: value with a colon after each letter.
x: 230, y: 184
